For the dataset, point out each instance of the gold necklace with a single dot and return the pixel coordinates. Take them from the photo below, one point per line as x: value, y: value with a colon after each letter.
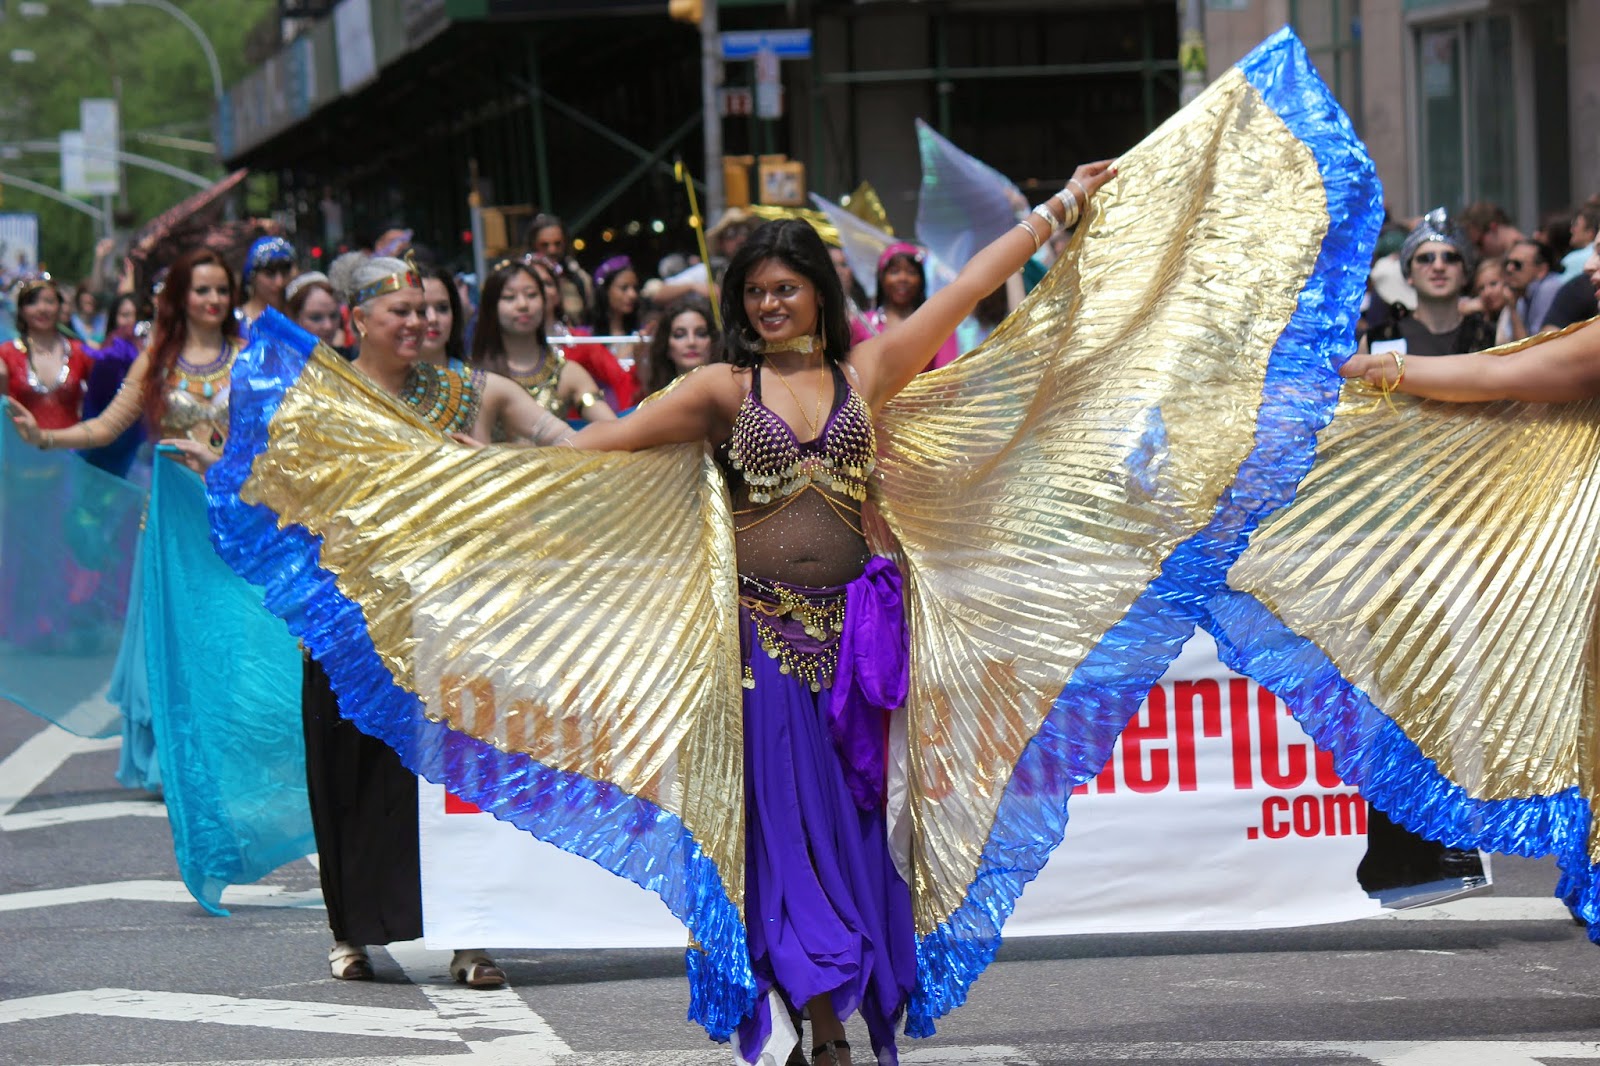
x: 810, y: 424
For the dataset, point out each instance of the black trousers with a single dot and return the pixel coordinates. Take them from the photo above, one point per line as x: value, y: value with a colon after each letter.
x: 364, y: 812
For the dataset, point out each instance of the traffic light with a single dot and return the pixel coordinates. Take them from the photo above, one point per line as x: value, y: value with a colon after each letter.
x: 685, y: 10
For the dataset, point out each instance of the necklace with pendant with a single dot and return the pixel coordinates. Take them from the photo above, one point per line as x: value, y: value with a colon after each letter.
x: 37, y: 387
x: 205, y: 376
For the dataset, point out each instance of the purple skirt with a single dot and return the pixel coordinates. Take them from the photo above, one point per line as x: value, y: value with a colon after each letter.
x: 826, y: 910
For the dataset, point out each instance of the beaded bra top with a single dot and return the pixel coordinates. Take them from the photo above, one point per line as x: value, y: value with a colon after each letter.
x: 764, y: 452
x: 203, y: 420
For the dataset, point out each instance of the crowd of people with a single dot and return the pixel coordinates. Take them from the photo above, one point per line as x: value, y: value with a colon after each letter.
x: 1446, y: 284
x: 544, y: 351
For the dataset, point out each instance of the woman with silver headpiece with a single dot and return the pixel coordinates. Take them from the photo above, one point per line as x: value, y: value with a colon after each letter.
x: 267, y: 269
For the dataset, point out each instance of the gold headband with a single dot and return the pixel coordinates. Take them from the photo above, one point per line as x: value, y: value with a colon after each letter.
x: 409, y: 278
x: 33, y: 285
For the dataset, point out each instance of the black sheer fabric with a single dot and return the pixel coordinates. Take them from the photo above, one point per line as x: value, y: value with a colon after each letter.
x: 812, y: 537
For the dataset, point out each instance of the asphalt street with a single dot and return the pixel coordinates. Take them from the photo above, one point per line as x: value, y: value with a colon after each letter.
x: 107, y: 960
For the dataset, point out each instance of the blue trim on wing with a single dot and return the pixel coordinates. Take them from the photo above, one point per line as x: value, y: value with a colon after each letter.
x: 1371, y: 751
x: 1301, y: 390
x: 629, y: 836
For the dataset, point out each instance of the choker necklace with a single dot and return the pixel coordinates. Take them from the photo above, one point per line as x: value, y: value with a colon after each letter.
x: 805, y: 345
x: 205, y: 376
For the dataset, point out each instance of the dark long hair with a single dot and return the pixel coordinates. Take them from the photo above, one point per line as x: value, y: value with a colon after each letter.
x: 453, y: 348
x: 488, y: 344
x: 171, y: 330
x: 658, y: 370
x: 600, y: 313
x: 795, y: 244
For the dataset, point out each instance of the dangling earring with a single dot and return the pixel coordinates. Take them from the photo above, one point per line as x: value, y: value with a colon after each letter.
x: 361, y: 331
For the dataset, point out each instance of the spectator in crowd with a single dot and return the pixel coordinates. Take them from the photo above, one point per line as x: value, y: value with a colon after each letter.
x: 1555, y: 233
x: 726, y: 238
x: 547, y: 236
x: 1434, y: 259
x: 902, y: 288
x: 1529, y: 271
x: 1489, y: 229
x: 1575, y: 301
x: 1493, y: 298
x: 619, y: 386
x: 1581, y: 237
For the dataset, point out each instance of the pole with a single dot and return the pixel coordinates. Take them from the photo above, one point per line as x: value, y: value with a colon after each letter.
x: 194, y: 28
x: 711, y: 127
x: 56, y: 195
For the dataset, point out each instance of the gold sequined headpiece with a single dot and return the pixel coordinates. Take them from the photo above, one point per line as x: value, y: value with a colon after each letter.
x: 409, y: 278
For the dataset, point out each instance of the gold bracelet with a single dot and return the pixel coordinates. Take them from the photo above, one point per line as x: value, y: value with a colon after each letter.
x: 1399, y: 368
x: 587, y: 400
x: 47, y: 440
x: 1028, y: 226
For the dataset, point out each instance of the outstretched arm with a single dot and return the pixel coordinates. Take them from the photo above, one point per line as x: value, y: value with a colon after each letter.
x: 692, y: 409
x: 507, y: 405
x: 1563, y: 370
x: 123, y: 411
x: 890, y: 360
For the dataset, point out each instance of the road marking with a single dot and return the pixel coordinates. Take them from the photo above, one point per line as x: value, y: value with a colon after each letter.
x: 157, y: 892
x: 472, y: 1008
x: 36, y: 758
x: 340, y: 1018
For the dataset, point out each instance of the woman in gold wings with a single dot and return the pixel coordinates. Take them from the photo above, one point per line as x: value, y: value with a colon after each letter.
x: 822, y: 626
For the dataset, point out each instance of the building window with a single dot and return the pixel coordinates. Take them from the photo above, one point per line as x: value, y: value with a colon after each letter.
x: 1466, y: 111
x: 1331, y: 32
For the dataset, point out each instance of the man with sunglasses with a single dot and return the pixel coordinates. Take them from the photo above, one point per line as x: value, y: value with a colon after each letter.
x: 1529, y: 275
x: 1435, y: 259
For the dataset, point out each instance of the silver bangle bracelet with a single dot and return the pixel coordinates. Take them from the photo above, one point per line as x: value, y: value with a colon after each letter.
x: 1044, y: 212
x: 1069, y: 205
x: 1026, y: 225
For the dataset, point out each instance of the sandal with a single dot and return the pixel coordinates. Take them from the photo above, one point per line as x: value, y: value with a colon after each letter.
x: 832, y: 1049
x: 475, y: 969
x: 349, y: 962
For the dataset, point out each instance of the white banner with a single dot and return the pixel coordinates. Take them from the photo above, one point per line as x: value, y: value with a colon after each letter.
x: 1214, y: 812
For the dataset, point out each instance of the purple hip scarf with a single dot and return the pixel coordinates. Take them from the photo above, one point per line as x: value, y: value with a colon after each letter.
x: 827, y: 912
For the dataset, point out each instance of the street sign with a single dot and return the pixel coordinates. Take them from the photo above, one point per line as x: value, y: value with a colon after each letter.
x: 735, y: 101
x: 769, y: 104
x: 746, y: 44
